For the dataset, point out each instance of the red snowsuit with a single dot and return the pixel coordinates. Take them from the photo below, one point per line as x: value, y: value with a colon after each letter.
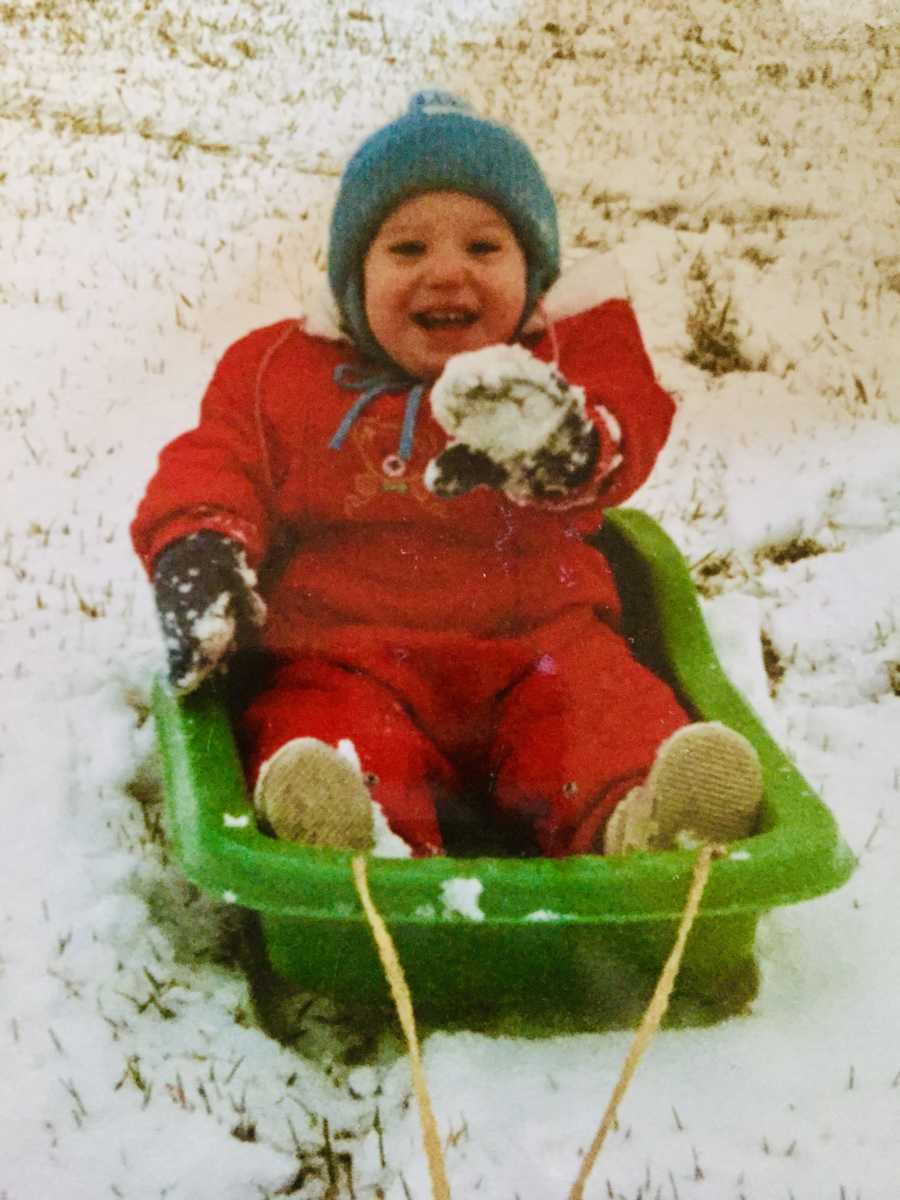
x: 451, y: 641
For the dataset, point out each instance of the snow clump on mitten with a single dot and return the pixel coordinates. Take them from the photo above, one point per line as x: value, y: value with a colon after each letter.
x: 515, y: 424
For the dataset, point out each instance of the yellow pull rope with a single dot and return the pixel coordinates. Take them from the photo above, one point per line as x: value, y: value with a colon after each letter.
x: 652, y: 1017
x: 650, y: 1022
x: 387, y: 952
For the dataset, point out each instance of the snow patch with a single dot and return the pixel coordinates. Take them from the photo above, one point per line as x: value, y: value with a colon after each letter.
x: 734, y: 621
x: 348, y: 752
x: 213, y: 632
x: 387, y: 843
x: 460, y: 897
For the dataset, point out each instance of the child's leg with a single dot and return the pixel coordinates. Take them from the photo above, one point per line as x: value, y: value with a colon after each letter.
x: 576, y: 734
x: 344, y: 710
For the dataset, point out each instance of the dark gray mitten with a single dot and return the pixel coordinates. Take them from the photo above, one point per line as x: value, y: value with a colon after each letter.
x: 207, y: 603
x: 515, y: 424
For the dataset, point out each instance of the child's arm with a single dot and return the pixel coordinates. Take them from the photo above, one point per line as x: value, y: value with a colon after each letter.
x: 602, y: 351
x: 216, y: 476
x: 585, y: 434
x: 205, y: 522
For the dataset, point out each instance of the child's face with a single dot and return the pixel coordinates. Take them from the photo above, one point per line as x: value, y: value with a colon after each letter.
x: 443, y: 274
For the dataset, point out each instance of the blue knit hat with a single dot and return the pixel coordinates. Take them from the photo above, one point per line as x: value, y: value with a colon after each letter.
x: 439, y: 144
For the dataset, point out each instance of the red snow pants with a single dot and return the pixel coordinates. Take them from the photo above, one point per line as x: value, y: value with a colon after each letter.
x: 552, y: 728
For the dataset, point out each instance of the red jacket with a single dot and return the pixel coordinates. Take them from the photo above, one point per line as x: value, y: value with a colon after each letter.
x: 375, y: 549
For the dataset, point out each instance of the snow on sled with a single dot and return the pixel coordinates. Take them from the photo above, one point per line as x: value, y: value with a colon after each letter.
x: 511, y: 942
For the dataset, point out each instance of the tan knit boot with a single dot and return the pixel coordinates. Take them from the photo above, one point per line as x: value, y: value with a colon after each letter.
x: 631, y: 826
x: 310, y: 792
x: 705, y: 785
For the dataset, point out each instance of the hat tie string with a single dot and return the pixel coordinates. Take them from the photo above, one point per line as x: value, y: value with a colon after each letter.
x: 370, y: 387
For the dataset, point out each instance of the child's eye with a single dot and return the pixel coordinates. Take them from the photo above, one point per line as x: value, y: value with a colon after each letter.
x: 408, y: 249
x: 483, y: 246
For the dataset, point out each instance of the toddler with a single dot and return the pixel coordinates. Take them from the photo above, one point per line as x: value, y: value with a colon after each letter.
x: 443, y: 644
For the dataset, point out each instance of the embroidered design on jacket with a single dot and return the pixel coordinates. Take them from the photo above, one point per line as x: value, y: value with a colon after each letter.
x: 372, y: 439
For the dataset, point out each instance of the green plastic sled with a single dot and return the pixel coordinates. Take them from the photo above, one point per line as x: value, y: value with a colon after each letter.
x: 571, y: 943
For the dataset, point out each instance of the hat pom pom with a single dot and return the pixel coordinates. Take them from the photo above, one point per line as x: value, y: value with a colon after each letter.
x: 433, y: 101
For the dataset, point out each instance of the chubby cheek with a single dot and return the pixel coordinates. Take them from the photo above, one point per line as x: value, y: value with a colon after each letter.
x: 506, y: 318
x: 387, y: 308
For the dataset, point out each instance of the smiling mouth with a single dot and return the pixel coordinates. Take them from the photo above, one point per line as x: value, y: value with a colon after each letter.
x: 448, y: 318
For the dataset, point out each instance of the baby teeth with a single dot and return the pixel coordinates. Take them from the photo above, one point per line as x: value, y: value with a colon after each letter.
x: 445, y: 318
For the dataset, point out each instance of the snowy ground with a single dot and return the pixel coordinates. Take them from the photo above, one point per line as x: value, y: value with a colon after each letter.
x: 165, y: 177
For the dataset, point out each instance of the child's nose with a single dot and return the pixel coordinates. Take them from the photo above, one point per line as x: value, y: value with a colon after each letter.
x: 446, y: 267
